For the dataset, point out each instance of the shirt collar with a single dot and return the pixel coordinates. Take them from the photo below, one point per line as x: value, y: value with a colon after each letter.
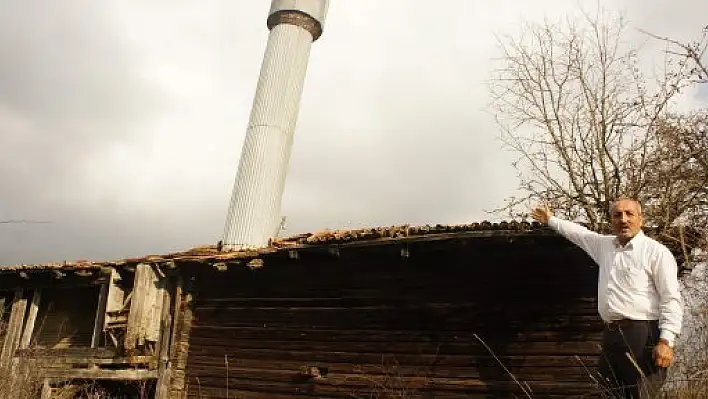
x: 630, y: 244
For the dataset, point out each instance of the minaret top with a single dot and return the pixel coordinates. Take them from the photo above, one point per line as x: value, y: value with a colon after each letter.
x: 307, y: 14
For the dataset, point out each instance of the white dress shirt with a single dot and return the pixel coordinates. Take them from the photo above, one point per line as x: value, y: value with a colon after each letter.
x: 637, y: 281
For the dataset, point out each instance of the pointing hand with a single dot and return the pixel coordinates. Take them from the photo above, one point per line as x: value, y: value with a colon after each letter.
x: 542, y: 214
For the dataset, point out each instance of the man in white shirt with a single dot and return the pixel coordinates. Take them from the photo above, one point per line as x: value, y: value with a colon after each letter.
x: 638, y: 295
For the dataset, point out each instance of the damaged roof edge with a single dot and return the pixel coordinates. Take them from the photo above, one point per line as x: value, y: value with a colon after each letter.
x: 353, y: 237
x: 341, y: 238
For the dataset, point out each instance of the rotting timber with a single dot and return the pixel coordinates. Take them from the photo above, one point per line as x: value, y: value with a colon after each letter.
x: 433, y: 311
x: 85, y: 323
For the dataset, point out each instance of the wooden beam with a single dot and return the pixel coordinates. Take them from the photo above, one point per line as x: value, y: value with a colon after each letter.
x: 143, y: 325
x: 176, y: 313
x: 133, y: 333
x: 2, y: 307
x: 101, y: 374
x: 75, y: 352
x: 165, y: 317
x: 46, y: 389
x: 116, y: 295
x: 100, y: 318
x: 180, y: 344
x: 31, y: 318
x: 163, y: 349
x: 14, y: 328
x: 152, y: 320
x: 158, y: 270
x: 66, y: 362
x: 126, y: 301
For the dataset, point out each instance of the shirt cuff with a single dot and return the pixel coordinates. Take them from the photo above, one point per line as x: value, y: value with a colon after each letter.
x: 552, y: 221
x: 669, y: 336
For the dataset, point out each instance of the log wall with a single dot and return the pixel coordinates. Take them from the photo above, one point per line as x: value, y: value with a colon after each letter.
x: 452, y: 319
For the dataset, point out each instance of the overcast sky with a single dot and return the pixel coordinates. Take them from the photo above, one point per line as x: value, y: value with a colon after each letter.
x: 121, y: 122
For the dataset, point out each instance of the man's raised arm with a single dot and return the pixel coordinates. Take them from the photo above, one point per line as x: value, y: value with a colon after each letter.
x: 586, y: 239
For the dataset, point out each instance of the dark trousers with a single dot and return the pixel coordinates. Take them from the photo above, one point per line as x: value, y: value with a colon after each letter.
x: 622, y: 376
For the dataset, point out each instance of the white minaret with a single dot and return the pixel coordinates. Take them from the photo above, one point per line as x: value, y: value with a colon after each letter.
x: 254, y: 212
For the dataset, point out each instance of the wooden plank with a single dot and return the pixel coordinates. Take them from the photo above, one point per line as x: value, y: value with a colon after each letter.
x: 102, y: 374
x: 181, y: 345
x: 260, y: 333
x: 472, y: 348
x: 14, y: 328
x: 171, y: 388
x: 68, y: 352
x: 46, y: 389
x: 290, y: 371
x: 440, y: 359
x: 154, y: 316
x: 365, y: 386
x: 589, y: 304
x: 163, y: 350
x: 99, y: 320
x: 140, y: 296
x: 422, y: 378
x: 165, y: 319
x: 273, y: 359
x: 116, y: 296
x: 144, y: 319
x: 2, y: 321
x: 563, y: 365
x: 217, y: 393
x: 2, y: 318
x: 68, y: 361
x: 31, y: 318
x: 2, y: 307
x: 176, y: 315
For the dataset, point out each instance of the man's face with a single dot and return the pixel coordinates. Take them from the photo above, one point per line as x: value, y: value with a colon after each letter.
x: 626, y: 219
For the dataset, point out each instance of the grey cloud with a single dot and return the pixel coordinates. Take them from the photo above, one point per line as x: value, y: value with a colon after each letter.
x: 69, y: 88
x: 63, y: 61
x: 392, y: 127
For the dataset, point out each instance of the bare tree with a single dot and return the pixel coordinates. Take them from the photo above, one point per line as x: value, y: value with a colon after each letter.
x: 572, y: 101
x: 693, y: 52
x: 679, y: 173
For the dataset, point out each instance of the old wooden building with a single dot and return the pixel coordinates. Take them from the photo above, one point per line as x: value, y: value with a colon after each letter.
x: 432, y: 312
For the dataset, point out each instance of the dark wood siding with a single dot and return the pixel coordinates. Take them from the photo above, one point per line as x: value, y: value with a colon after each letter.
x: 438, y: 322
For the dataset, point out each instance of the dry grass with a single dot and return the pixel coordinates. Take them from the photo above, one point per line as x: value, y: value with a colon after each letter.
x: 688, y: 378
x: 24, y: 383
